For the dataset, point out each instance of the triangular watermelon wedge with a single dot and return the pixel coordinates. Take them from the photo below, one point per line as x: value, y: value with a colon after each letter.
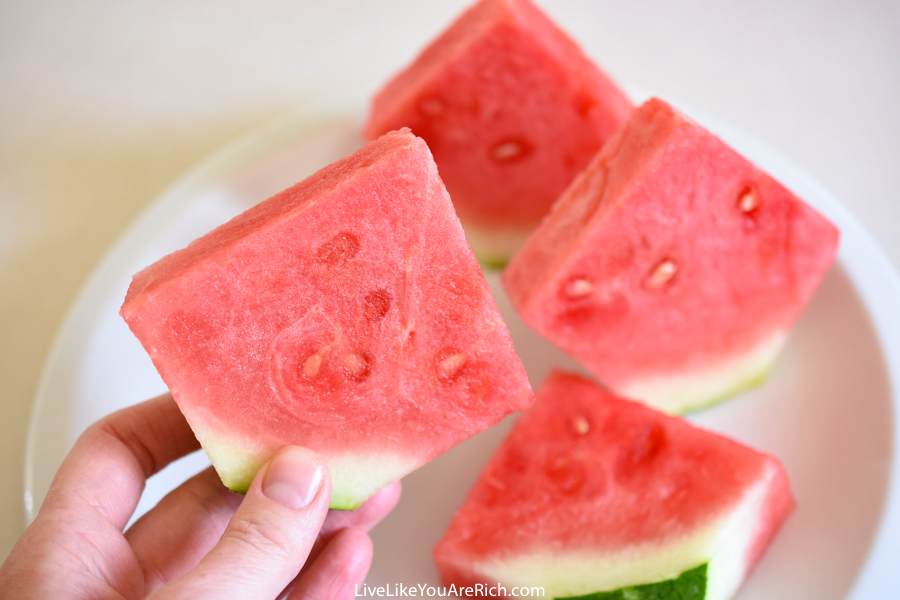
x: 511, y: 108
x: 672, y: 268
x: 346, y: 314
x: 592, y: 495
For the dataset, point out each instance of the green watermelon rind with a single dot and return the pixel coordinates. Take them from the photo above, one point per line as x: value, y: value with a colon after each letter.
x: 690, y: 585
x: 726, y: 545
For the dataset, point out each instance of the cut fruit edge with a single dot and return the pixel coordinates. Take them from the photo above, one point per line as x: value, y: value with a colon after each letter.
x: 730, y: 546
x: 686, y: 392
x: 354, y: 477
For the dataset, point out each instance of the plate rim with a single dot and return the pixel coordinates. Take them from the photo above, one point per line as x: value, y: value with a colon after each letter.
x: 874, y: 279
x: 873, y: 276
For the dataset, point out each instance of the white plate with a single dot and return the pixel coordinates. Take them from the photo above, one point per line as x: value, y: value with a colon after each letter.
x: 829, y: 411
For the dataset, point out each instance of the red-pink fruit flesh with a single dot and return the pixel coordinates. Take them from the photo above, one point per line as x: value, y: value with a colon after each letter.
x: 672, y: 268
x: 512, y: 110
x: 346, y: 314
x: 592, y: 493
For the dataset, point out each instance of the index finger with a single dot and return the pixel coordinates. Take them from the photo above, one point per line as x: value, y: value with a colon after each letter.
x: 109, y: 465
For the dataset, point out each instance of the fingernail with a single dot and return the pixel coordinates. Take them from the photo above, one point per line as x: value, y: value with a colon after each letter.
x: 293, y: 478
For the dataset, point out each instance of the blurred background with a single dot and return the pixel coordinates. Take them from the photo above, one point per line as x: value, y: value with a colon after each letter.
x: 103, y: 103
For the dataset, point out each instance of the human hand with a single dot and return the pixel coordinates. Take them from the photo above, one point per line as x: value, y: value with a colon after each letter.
x: 201, y: 541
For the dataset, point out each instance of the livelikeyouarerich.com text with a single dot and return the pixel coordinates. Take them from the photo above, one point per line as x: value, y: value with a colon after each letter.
x: 422, y: 590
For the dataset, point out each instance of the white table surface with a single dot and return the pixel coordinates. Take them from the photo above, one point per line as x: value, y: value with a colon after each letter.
x: 104, y: 102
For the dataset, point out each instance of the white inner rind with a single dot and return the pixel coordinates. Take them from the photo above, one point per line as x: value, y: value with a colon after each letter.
x: 730, y: 563
x: 678, y: 394
x: 724, y: 544
x: 354, y: 477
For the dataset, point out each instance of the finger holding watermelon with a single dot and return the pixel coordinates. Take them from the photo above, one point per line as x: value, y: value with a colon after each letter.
x: 201, y: 541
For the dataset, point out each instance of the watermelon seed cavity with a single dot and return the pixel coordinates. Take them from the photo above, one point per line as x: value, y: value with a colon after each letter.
x: 312, y: 365
x: 431, y: 107
x: 567, y: 473
x: 339, y: 249
x: 662, y: 274
x: 356, y: 365
x: 748, y: 201
x: 507, y: 151
x: 580, y: 425
x: 496, y: 484
x: 378, y: 302
x: 451, y: 365
x: 408, y: 337
x: 578, y: 288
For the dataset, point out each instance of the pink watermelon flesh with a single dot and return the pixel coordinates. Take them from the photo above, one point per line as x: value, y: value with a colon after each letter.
x: 592, y: 493
x: 672, y: 268
x: 512, y: 110
x: 345, y: 314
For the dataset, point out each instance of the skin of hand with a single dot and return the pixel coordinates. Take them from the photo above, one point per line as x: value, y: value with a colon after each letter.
x: 201, y: 541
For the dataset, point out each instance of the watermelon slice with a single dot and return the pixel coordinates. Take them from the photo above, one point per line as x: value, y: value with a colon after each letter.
x: 512, y: 110
x: 595, y: 495
x: 345, y: 314
x: 672, y: 268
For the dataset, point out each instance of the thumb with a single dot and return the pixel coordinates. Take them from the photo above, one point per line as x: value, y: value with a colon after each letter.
x: 270, y: 536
